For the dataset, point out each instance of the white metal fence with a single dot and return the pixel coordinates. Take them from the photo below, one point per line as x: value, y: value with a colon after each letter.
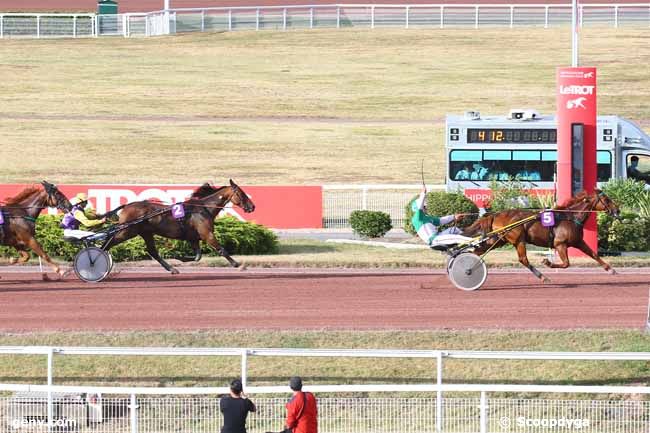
x: 340, y: 200
x: 320, y: 16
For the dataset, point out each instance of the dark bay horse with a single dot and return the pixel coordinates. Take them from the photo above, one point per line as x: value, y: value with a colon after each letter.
x: 567, y: 232
x: 198, y: 224
x: 20, y: 213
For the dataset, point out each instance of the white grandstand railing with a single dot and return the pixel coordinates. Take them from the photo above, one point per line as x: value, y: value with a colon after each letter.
x: 29, y: 25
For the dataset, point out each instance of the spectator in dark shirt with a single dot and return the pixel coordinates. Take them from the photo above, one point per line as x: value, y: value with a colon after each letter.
x: 235, y: 408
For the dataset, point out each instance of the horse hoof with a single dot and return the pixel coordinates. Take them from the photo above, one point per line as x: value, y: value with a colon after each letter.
x: 174, y: 271
x: 65, y: 273
x: 546, y: 262
x: 545, y: 280
x: 611, y: 271
x: 13, y: 261
x: 45, y: 277
x: 243, y: 266
x: 235, y: 264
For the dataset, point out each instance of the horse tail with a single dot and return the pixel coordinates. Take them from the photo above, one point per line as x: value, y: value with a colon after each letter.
x: 111, y: 215
x: 481, y: 226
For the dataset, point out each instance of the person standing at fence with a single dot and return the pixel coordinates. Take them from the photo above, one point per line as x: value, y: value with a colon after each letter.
x: 302, y: 411
x: 235, y: 408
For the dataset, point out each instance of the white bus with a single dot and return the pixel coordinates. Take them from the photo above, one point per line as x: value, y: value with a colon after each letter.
x: 523, y: 145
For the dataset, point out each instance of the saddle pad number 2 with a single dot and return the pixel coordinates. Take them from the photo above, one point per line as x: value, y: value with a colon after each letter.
x: 548, y: 218
x: 178, y: 211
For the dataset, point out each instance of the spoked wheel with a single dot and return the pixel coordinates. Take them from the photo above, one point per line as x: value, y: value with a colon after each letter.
x: 92, y: 264
x: 448, y: 262
x: 467, y: 271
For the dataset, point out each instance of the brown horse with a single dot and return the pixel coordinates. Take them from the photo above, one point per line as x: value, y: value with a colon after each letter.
x: 20, y: 213
x: 197, y: 225
x: 567, y: 232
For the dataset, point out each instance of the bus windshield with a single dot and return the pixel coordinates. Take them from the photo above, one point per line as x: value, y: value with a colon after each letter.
x: 528, y: 165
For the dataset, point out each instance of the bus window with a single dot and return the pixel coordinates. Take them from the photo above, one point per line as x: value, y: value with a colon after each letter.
x: 527, y: 165
x: 461, y: 163
x: 604, y: 167
x: 638, y: 167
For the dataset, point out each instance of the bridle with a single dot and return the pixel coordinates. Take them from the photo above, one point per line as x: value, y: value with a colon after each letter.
x: 53, y: 193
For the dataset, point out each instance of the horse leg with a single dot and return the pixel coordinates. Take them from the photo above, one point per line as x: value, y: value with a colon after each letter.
x: 523, y: 259
x: 153, y: 252
x: 582, y: 246
x: 36, y: 247
x: 196, y: 247
x: 212, y: 241
x: 24, y: 257
x: 562, y: 251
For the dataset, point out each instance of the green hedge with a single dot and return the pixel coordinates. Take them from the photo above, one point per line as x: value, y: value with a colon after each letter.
x: 370, y: 224
x: 630, y: 232
x: 235, y: 236
x: 440, y: 203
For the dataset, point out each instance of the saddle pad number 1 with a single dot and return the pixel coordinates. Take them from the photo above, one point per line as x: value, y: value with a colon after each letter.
x: 178, y: 211
x: 548, y: 218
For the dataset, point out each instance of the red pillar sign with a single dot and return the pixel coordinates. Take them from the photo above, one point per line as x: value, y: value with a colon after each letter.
x: 576, y: 138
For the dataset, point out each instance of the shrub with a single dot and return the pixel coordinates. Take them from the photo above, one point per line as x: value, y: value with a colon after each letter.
x: 626, y: 193
x: 514, y: 194
x: 370, y: 224
x: 235, y: 236
x: 629, y: 233
x: 440, y: 203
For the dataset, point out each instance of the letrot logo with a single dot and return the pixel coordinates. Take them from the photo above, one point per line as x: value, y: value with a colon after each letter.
x: 589, y: 75
x: 577, y: 90
x: 575, y: 103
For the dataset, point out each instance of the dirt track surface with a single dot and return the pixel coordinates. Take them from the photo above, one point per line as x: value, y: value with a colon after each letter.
x: 254, y: 299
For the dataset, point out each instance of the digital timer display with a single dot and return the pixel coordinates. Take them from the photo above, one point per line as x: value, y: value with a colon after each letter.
x: 504, y: 135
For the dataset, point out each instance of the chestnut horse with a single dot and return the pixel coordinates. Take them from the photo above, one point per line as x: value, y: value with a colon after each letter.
x: 567, y: 232
x: 197, y: 225
x: 20, y: 213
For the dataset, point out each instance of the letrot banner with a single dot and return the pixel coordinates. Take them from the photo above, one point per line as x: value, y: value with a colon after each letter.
x: 281, y: 207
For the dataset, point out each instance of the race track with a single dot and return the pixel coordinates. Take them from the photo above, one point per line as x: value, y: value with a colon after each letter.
x: 275, y: 299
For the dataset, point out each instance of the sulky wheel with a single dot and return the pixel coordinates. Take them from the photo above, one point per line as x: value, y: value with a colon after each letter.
x: 448, y: 261
x: 467, y: 271
x: 92, y: 264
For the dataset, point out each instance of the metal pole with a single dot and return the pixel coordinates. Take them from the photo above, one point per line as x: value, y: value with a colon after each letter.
x: 202, y: 20
x: 167, y: 23
x: 50, y: 380
x: 442, y: 16
x: 311, y: 18
x: 616, y: 16
x: 372, y: 17
x: 229, y: 19
x: 2, y: 30
x: 439, y: 392
x: 244, y: 367
x: 74, y: 30
x: 134, y: 414
x: 38, y: 26
x: 257, y: 19
x: 407, y: 16
x: 96, y: 21
x: 476, y: 18
x: 574, y: 33
x: 338, y: 17
x: 284, y: 19
x: 483, y: 408
x: 546, y: 17
x: 512, y: 16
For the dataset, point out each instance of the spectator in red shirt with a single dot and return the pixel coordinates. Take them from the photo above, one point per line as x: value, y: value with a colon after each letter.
x: 302, y: 411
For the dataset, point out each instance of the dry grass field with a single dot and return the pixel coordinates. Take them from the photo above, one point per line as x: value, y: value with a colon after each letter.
x: 299, y: 107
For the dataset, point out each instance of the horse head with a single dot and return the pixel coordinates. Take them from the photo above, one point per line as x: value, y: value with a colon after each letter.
x: 606, y: 204
x: 56, y: 198
x: 239, y: 198
x: 595, y: 201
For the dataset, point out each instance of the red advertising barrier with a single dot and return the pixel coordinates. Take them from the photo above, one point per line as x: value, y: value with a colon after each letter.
x: 281, y: 207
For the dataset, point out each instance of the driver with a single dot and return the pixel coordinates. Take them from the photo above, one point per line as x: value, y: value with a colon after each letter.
x: 634, y: 172
x: 427, y: 226
x: 81, y: 213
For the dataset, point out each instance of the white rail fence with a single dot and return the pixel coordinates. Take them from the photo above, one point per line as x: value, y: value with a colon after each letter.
x: 440, y: 412
x: 340, y: 200
x: 372, y: 16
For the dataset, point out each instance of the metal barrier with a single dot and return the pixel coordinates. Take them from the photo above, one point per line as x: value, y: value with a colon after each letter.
x: 340, y: 200
x: 320, y: 16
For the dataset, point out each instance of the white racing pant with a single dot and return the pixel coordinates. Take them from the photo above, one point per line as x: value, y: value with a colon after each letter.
x: 78, y: 234
x: 449, y: 236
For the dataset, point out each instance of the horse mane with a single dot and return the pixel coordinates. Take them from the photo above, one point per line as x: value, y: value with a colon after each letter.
x: 482, y: 225
x: 205, y: 190
x: 22, y: 195
x: 573, y: 200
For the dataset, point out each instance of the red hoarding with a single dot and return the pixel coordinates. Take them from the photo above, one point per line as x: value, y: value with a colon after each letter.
x: 281, y: 207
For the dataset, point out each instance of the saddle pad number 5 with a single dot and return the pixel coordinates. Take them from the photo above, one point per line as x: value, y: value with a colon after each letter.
x: 178, y: 211
x: 548, y: 218
x: 2, y: 218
